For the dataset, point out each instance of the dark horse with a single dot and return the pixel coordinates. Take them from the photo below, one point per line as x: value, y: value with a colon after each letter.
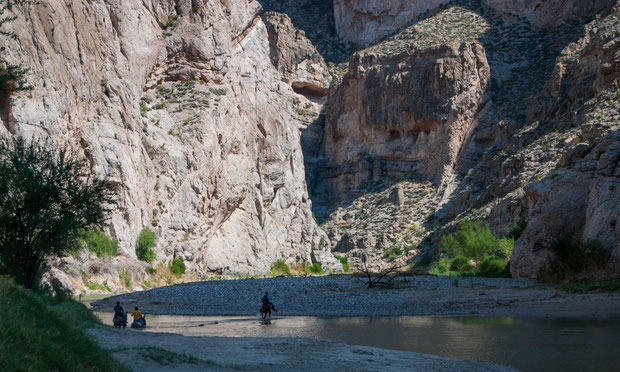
x: 265, y: 310
x: 120, y: 321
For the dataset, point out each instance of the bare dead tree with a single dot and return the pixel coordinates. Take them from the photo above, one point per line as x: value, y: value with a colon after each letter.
x: 384, y: 278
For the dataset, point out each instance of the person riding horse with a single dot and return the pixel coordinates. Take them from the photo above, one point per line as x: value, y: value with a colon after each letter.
x: 120, y: 316
x: 267, y: 306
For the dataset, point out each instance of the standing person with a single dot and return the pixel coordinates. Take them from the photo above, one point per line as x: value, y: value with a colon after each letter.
x: 266, y: 300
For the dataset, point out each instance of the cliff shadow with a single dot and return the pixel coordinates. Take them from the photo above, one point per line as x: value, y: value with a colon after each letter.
x: 316, y: 19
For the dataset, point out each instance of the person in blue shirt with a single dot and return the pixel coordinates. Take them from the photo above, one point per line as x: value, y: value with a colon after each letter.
x: 267, y: 300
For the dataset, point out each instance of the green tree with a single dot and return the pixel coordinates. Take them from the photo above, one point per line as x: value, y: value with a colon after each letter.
x: 47, y: 198
x: 12, y: 77
x: 145, y: 245
x: 473, y: 239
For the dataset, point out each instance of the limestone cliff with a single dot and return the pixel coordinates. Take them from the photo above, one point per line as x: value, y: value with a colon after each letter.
x: 178, y: 105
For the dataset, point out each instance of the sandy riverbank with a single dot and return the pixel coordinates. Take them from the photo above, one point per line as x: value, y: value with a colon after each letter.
x: 150, y: 351
x: 345, y: 296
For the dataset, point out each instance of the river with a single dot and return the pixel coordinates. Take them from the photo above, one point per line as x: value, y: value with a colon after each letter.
x: 528, y: 344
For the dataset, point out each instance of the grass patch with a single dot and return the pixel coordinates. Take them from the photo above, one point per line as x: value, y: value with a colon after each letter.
x: 126, y: 278
x: 582, y: 287
x: 98, y: 287
x: 316, y: 268
x: 280, y: 268
x: 41, y: 333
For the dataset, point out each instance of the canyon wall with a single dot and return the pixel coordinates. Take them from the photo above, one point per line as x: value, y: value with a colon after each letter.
x: 178, y: 105
x: 411, y: 111
x: 549, y: 13
x: 507, y: 108
x: 366, y: 21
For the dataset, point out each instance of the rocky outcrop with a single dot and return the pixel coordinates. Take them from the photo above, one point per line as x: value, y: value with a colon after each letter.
x: 297, y: 60
x: 579, y: 201
x: 406, y: 112
x: 549, y: 13
x: 366, y: 21
x: 178, y: 105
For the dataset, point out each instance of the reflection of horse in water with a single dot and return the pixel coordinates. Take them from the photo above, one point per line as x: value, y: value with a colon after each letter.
x: 265, y: 310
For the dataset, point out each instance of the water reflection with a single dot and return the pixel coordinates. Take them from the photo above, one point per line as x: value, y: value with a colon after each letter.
x: 528, y: 344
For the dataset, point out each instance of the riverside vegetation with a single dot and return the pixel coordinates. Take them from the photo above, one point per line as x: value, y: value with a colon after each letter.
x: 45, y: 333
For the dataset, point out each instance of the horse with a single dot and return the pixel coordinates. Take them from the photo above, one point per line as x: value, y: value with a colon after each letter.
x: 265, y: 310
x: 119, y: 321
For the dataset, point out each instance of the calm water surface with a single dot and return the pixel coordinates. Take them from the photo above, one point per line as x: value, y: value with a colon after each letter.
x: 528, y: 344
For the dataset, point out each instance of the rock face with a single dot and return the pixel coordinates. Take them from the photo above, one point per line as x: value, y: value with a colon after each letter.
x: 365, y: 21
x: 397, y: 196
x: 297, y: 60
x: 179, y: 106
x: 407, y: 112
x: 502, y: 117
x: 579, y: 199
x: 549, y: 13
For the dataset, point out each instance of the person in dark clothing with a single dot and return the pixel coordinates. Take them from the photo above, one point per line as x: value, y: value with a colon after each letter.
x: 118, y: 309
x: 267, y: 300
x: 119, y: 313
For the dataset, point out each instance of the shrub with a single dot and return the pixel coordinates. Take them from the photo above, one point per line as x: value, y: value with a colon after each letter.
x: 177, y: 266
x: 473, y: 239
x: 280, y: 268
x: 100, y: 244
x: 145, y: 245
x: 150, y: 270
x: 505, y: 247
x: 461, y: 263
x: 344, y: 262
x: 393, y: 252
x: 424, y: 261
x: 575, y: 256
x: 494, y: 266
x: 442, y: 266
x: 315, y: 268
x: 516, y: 228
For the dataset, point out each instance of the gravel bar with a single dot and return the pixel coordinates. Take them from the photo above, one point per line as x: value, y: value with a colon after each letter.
x: 347, y: 296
